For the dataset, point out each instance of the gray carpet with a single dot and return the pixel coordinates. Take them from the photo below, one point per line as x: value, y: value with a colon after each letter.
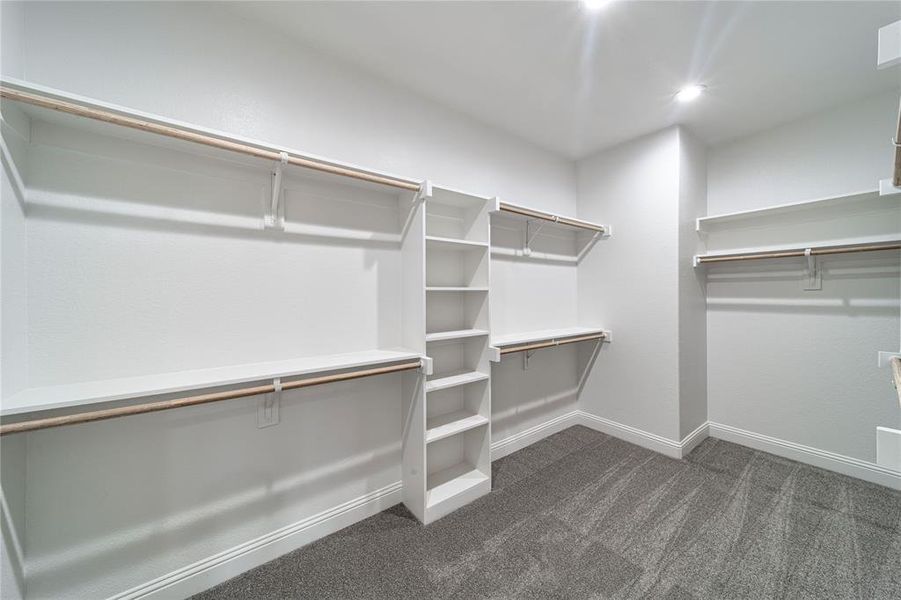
x: 584, y: 515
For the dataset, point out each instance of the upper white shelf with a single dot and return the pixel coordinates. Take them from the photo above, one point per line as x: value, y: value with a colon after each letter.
x: 108, y: 390
x: 43, y: 103
x: 543, y: 335
x: 853, y: 201
x: 522, y: 212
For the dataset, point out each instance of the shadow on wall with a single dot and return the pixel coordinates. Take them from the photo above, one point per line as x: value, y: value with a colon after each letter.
x: 850, y: 286
x: 187, y: 486
x: 523, y: 398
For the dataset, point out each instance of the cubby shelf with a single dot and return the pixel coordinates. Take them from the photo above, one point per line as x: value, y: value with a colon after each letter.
x: 441, y: 336
x: 453, y: 243
x: 125, y: 388
x: 453, y: 380
x: 443, y: 426
x: 451, y: 483
x: 442, y: 288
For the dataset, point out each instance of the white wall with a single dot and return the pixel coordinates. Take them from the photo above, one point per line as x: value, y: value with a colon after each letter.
x: 182, y: 486
x: 13, y: 320
x: 692, y: 299
x: 801, y: 365
x: 206, y: 66
x: 630, y: 284
x: 836, y: 152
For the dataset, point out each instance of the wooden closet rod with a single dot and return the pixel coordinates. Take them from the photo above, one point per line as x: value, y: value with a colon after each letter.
x: 528, y: 212
x: 823, y: 250
x: 551, y: 343
x: 138, y: 409
x: 199, y: 138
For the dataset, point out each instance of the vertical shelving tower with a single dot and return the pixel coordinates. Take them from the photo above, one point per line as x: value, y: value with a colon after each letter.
x: 447, y: 438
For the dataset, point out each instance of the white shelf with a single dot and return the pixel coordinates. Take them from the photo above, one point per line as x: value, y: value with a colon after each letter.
x: 852, y: 201
x: 189, y: 147
x: 455, y: 289
x: 451, y: 483
x: 454, y: 380
x: 508, y: 210
x: 440, y: 336
x: 444, y: 426
x: 108, y: 390
x: 542, y: 335
x: 446, y: 243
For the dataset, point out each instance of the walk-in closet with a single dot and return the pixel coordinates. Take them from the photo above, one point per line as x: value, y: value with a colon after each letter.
x: 412, y: 299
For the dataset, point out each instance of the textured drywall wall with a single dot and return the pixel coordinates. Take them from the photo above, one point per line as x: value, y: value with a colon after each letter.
x: 630, y: 284
x: 793, y: 364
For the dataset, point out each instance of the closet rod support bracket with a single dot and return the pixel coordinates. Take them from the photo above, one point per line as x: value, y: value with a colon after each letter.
x: 275, y: 215
x: 814, y: 274
x: 426, y: 365
x: 268, y: 406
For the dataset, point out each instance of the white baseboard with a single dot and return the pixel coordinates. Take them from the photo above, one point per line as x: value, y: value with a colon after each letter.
x: 823, y: 459
x: 520, y: 440
x: 221, y: 567
x: 639, y: 437
x: 691, y: 441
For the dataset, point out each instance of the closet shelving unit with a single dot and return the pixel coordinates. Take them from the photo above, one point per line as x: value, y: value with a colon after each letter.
x: 532, y: 222
x: 535, y: 221
x: 79, y: 401
x: 447, y: 432
x: 803, y: 229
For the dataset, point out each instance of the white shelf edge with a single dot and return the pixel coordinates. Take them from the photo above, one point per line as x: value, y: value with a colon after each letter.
x: 887, y: 189
x: 441, y: 336
x: 527, y: 337
x: 128, y: 388
x: 454, y: 380
x: 452, y: 482
x: 434, y: 288
x: 454, y: 424
x: 498, y: 211
x: 880, y: 239
x: 454, y: 242
x: 776, y: 209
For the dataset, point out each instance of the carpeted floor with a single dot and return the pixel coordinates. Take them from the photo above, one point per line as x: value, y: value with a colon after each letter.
x: 584, y: 515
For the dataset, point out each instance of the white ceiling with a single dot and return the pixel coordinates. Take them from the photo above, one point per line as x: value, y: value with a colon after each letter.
x: 574, y: 82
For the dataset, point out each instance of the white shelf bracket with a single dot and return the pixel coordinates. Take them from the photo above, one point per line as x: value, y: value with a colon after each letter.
x: 526, y: 356
x: 814, y: 274
x: 494, y: 354
x: 425, y: 363
x: 425, y: 191
x: 530, y: 235
x: 275, y: 215
x: 268, y: 407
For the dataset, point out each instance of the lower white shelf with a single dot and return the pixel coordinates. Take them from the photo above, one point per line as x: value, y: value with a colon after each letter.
x: 108, y: 390
x: 451, y: 483
x: 444, y: 426
x: 454, y: 379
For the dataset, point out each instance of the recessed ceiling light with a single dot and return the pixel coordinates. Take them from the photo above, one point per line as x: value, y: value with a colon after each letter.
x: 594, y: 5
x: 690, y: 92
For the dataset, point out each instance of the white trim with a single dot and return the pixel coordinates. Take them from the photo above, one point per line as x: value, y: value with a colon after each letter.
x: 691, y: 441
x: 645, y: 439
x: 520, y: 440
x: 823, y: 459
x: 221, y: 567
